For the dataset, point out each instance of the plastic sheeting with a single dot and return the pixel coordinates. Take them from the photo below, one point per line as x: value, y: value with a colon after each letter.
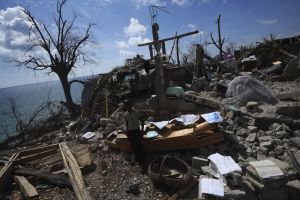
x: 243, y: 89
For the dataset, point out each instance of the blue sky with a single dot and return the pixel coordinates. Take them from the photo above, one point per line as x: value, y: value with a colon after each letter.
x: 122, y: 24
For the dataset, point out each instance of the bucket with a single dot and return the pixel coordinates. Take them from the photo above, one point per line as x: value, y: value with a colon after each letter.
x: 82, y: 155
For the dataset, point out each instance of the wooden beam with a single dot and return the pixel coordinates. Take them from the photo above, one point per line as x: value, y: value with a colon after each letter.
x: 170, y: 38
x: 53, y: 179
x: 38, y: 150
x: 35, y: 156
x: 28, y: 191
x: 74, y: 173
x: 6, y: 172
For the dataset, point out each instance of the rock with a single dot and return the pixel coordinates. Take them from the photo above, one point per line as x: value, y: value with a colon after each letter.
x: 282, y: 134
x: 198, y: 162
x: 293, y: 189
x: 234, y: 194
x: 264, y: 150
x: 276, y: 127
x: 265, y: 138
x: 252, y: 106
x: 251, y: 137
x: 297, y: 133
x: 290, y: 111
x: 268, y: 145
x: 260, y: 155
x: 279, y: 150
x: 296, y: 141
x: 234, y: 179
x: 252, y: 128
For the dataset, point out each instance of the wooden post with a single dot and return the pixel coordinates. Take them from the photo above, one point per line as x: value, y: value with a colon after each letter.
x: 199, y: 68
x: 163, y: 47
x: 151, y: 50
x: 26, y: 188
x: 177, y: 51
x: 74, y: 173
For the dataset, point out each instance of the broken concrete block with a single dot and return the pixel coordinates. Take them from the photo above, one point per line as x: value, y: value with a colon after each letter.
x: 252, y: 106
x: 282, y: 134
x: 296, y: 141
x: 234, y: 179
x: 234, y: 194
x: 251, y: 137
x: 265, y: 138
x: 290, y: 111
x: 252, y: 128
x: 198, y: 162
x: 268, y: 145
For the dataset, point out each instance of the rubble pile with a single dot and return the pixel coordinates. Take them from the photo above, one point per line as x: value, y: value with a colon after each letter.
x: 227, y: 134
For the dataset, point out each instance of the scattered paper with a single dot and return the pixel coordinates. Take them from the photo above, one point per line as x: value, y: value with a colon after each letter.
x: 152, y: 134
x: 88, y: 135
x: 214, y: 117
x: 160, y: 125
x: 224, y: 164
x: 266, y: 168
x: 187, y: 119
x: 211, y: 186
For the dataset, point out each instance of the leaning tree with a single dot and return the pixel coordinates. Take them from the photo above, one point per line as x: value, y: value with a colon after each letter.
x: 58, y: 49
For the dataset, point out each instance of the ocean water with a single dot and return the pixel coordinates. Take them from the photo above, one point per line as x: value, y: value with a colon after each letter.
x: 28, y: 98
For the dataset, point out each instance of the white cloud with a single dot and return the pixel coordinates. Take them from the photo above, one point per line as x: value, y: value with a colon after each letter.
x: 192, y: 26
x: 267, y: 21
x: 181, y: 2
x: 14, y: 29
x: 135, y: 28
x: 135, y: 40
x: 121, y: 44
x: 139, y: 3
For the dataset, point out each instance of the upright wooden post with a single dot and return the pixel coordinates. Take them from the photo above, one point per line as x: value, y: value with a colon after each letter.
x: 163, y: 47
x: 151, y: 50
x: 177, y: 51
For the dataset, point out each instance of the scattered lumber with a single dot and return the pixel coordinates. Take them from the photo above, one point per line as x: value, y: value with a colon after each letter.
x: 74, y: 173
x: 6, y: 171
x: 54, y: 179
x: 28, y: 191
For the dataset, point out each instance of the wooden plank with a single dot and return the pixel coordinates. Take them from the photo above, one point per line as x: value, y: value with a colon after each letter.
x: 6, y: 172
x: 38, y: 150
x: 54, y: 179
x: 26, y: 188
x: 171, y: 38
x: 35, y: 156
x: 74, y: 173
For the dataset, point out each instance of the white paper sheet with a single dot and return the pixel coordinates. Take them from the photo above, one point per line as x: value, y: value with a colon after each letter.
x: 224, y: 164
x: 214, y: 117
x: 160, y: 125
x: 210, y: 186
x: 88, y: 135
x: 187, y: 119
x: 266, y: 168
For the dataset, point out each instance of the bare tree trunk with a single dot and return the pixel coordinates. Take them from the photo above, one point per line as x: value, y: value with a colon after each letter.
x: 220, y: 38
x: 72, y: 108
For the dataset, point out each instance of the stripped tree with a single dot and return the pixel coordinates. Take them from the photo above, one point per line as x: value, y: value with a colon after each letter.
x: 60, y: 49
x: 220, y: 42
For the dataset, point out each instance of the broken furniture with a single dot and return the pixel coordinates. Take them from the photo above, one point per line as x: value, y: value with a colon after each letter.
x: 170, y: 139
